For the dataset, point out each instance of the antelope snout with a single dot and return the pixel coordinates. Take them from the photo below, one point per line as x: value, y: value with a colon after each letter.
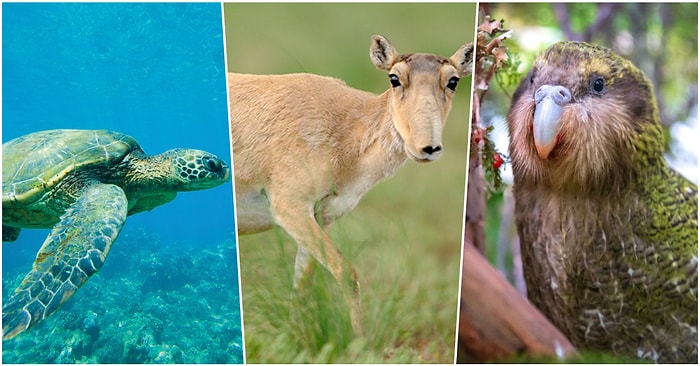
x: 424, y: 144
x: 432, y: 152
x: 421, y: 132
x: 426, y: 153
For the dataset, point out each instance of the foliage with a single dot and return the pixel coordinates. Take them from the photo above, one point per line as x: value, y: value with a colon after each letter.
x: 493, y: 60
x: 661, y: 39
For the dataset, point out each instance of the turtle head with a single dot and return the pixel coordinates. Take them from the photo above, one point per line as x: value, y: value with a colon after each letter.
x: 196, y: 169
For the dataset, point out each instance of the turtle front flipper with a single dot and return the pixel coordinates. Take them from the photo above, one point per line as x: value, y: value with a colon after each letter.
x: 74, y: 250
x: 10, y: 233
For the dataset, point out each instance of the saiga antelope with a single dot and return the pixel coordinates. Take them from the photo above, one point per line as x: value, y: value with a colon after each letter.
x: 306, y: 148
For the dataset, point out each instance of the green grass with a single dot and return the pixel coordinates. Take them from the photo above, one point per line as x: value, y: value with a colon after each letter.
x: 408, y: 298
x: 404, y: 237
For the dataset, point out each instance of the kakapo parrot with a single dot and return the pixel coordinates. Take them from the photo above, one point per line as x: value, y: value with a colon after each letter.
x: 608, y: 231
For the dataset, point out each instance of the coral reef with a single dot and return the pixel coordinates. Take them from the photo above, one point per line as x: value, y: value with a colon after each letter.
x: 153, y: 302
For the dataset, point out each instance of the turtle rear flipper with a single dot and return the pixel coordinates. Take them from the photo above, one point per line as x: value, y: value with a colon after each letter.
x: 10, y: 233
x: 74, y: 250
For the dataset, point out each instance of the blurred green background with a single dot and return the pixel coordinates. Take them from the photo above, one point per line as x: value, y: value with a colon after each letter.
x: 661, y: 39
x: 405, y: 235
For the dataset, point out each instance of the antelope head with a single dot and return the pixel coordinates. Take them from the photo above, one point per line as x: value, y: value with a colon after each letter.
x: 421, y: 96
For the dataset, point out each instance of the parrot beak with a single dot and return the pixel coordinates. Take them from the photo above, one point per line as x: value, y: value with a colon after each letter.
x: 549, y: 101
x: 546, y: 126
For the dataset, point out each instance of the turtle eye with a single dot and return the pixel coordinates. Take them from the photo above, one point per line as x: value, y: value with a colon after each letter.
x: 394, y: 80
x: 452, y: 83
x: 211, y: 164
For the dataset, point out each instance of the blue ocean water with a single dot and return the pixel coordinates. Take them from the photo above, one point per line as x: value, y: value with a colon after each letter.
x: 168, y: 291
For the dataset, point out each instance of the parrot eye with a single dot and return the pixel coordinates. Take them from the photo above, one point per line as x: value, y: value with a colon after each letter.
x: 598, y: 85
x: 532, y: 76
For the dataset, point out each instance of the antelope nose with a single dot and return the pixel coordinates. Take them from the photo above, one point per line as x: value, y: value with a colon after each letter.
x: 430, y: 150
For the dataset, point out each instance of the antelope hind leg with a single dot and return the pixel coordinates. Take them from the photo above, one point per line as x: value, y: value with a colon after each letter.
x: 297, y: 219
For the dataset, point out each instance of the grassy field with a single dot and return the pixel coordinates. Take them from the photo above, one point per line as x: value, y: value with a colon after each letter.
x: 405, y: 235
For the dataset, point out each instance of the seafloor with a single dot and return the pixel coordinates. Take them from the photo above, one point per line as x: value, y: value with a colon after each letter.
x: 151, y: 303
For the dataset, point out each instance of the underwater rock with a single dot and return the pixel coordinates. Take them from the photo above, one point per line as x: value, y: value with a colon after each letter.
x: 168, y: 354
x: 90, y: 326
x: 157, y: 326
x: 136, y: 350
x: 70, y: 320
x: 235, y: 348
x: 66, y: 356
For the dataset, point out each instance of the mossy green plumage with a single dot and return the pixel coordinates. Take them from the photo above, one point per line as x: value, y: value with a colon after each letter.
x: 83, y: 184
x: 609, y: 232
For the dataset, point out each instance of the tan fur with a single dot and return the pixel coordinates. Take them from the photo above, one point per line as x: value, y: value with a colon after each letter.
x: 306, y: 148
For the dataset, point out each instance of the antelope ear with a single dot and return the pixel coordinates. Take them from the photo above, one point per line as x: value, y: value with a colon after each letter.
x: 382, y: 53
x: 463, y: 59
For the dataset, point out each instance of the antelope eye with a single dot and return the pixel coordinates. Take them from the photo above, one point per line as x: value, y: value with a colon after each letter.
x: 394, y: 80
x: 452, y: 83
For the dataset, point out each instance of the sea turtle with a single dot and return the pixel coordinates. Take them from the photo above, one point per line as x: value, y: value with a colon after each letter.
x: 83, y: 184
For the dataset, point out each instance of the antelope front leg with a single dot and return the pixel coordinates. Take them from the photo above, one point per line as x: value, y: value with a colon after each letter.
x: 303, y: 267
x: 297, y: 219
x: 303, y: 263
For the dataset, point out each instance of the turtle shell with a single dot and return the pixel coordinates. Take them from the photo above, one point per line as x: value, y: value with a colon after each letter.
x: 33, y: 164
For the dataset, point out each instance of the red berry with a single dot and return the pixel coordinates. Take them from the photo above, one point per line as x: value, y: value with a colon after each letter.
x: 478, y: 135
x: 497, y: 160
